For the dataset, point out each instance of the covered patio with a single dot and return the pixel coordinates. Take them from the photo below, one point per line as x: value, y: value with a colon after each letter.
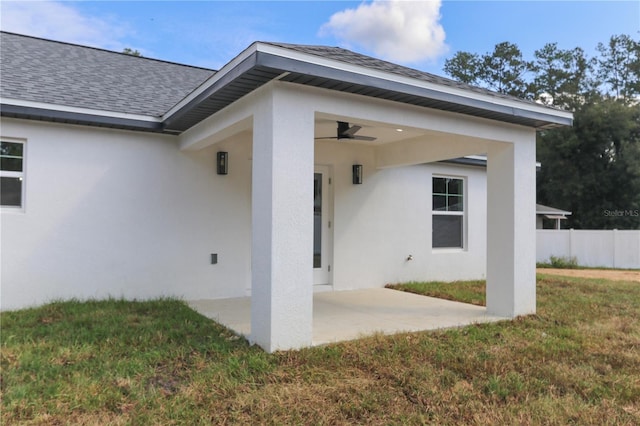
x: 347, y: 315
x: 285, y: 100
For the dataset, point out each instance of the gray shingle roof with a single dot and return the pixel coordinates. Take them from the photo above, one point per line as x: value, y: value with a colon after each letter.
x: 33, y: 69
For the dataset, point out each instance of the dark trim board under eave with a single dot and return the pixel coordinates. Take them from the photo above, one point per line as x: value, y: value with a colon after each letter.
x: 41, y: 114
x: 204, y: 104
x: 476, y: 162
x: 467, y: 161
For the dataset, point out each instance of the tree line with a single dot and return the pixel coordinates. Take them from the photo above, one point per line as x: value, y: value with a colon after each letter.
x: 593, y: 168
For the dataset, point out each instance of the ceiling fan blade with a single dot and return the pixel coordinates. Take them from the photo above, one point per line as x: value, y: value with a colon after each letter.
x: 346, y: 132
x: 364, y: 138
x: 355, y: 138
x: 351, y: 131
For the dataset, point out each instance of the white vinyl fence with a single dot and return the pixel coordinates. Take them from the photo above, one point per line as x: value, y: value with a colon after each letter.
x: 611, y: 249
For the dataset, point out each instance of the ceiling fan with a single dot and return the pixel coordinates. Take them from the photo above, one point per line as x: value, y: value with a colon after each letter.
x: 349, y: 132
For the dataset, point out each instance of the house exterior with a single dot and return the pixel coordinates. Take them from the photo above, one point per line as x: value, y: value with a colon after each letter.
x: 551, y: 213
x: 130, y: 177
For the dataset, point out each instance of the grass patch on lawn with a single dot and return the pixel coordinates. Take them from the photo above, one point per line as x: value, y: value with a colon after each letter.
x: 560, y: 262
x: 461, y: 291
x: 113, y: 362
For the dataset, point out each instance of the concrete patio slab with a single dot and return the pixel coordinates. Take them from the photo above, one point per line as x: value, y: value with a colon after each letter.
x: 347, y: 315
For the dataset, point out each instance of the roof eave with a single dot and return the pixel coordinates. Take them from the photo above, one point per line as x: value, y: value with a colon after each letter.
x: 81, y: 118
x: 275, y: 57
x: 261, y: 63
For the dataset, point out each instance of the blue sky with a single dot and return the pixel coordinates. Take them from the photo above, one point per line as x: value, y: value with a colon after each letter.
x: 420, y: 34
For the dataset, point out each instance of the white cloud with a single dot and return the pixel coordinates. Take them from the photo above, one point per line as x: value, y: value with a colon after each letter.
x: 60, y: 21
x: 398, y: 30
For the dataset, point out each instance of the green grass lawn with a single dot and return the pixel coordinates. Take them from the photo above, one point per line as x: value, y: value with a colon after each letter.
x: 113, y: 362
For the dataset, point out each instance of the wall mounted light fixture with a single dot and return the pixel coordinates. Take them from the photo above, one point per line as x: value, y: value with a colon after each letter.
x: 223, y: 163
x: 357, y: 174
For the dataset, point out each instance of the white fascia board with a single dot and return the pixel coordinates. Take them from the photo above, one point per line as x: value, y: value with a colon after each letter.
x: 358, y: 69
x: 76, y: 110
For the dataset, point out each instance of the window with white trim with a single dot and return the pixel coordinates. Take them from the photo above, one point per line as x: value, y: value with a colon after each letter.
x: 11, y: 174
x: 448, y: 212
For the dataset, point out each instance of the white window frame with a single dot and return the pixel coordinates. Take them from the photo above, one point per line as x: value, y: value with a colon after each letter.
x: 462, y: 213
x: 21, y: 175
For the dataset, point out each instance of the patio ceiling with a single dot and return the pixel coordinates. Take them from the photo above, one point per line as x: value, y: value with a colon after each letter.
x: 326, y: 127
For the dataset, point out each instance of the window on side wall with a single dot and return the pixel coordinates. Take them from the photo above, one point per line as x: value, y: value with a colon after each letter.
x: 11, y: 174
x: 448, y: 212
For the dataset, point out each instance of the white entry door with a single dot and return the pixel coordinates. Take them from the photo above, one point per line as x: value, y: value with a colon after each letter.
x: 322, y: 241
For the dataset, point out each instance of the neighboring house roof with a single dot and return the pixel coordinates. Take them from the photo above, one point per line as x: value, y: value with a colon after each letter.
x: 55, y: 81
x: 551, y: 212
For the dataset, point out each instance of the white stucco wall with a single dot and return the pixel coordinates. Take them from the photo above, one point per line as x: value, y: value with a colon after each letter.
x: 127, y: 214
x: 123, y: 214
x: 378, y: 224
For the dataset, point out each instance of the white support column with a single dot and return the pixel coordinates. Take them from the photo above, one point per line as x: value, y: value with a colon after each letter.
x: 511, y: 237
x: 282, y: 221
